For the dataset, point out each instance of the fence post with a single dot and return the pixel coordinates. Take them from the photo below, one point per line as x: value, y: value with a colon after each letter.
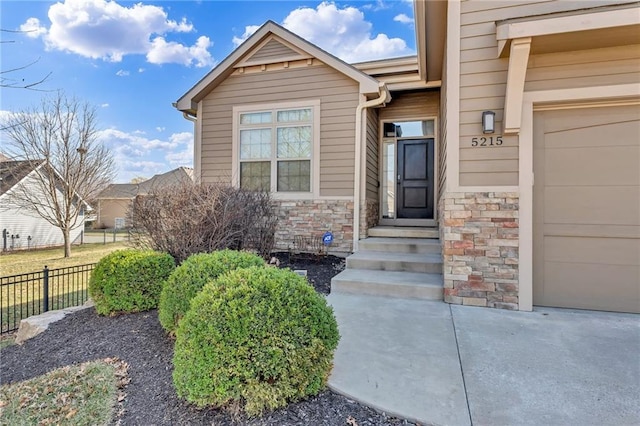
x: 114, y: 235
x: 45, y: 289
x: 104, y: 237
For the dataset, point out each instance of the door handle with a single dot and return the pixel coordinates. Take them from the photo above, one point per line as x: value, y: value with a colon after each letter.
x: 399, y: 178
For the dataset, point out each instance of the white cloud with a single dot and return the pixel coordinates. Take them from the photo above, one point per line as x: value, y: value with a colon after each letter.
x: 404, y: 19
x: 122, y: 73
x: 248, y: 31
x: 163, y: 52
x: 138, y: 155
x: 343, y: 32
x: 32, y: 28
x: 105, y: 105
x: 102, y: 29
x: 160, y: 129
x: 140, y: 70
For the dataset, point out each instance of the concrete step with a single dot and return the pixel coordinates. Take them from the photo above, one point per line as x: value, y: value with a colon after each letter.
x: 410, y: 262
x: 403, y: 232
x: 409, y: 285
x: 401, y: 245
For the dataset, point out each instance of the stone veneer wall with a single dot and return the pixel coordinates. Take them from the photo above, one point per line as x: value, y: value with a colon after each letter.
x: 369, y: 214
x: 479, y: 233
x: 315, y: 217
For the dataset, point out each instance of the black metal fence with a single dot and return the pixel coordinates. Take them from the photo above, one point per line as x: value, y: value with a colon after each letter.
x: 33, y: 293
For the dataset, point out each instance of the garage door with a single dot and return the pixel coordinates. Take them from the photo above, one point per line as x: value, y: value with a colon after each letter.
x: 586, y: 231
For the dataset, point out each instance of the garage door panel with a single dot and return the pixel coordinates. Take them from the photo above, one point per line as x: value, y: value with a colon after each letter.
x: 586, y: 207
x: 590, y: 285
x: 607, y: 165
x: 592, y: 205
x: 569, y: 119
x: 592, y: 251
x: 592, y: 135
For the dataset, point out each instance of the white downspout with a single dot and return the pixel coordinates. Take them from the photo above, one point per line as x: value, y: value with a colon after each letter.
x: 384, y: 97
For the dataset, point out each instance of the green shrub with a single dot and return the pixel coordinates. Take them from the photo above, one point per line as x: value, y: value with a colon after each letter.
x: 188, y: 279
x: 256, y: 338
x: 129, y: 280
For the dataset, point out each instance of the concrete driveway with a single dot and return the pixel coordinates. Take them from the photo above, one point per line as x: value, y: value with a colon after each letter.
x: 457, y: 365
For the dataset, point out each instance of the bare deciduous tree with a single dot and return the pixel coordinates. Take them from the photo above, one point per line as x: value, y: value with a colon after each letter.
x: 59, y: 139
x: 200, y: 218
x: 7, y: 76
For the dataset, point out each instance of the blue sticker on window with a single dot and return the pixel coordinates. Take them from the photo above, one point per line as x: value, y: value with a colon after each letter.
x: 327, y: 238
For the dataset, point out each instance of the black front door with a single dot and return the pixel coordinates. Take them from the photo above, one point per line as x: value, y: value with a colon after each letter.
x: 415, y: 179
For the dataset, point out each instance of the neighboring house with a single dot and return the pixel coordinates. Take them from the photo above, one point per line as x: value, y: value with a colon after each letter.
x: 22, y: 228
x: 451, y: 139
x: 116, y: 199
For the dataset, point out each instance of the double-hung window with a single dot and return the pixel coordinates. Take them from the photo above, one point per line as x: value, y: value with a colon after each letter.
x: 275, y: 148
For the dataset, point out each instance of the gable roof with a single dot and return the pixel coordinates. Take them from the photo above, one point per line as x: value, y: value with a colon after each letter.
x: 188, y: 102
x: 131, y: 190
x: 12, y: 172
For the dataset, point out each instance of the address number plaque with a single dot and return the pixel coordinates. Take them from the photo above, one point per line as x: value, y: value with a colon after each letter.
x: 486, y: 141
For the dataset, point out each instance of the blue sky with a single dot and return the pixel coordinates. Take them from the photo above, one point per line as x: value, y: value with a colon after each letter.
x: 132, y: 60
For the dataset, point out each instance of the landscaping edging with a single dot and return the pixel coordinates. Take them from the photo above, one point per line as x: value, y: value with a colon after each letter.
x: 34, y: 325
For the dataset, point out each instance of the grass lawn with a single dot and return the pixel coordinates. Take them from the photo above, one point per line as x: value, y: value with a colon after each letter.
x: 22, y: 300
x: 84, y: 394
x: 21, y: 262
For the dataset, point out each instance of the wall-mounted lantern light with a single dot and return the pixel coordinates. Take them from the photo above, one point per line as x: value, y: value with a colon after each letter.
x: 488, y: 122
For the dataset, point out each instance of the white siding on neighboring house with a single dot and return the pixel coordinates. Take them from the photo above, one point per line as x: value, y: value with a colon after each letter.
x: 19, y: 221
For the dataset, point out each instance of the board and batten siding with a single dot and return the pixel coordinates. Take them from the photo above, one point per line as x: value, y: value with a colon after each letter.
x: 338, y: 95
x: 442, y: 135
x: 483, y: 79
x: 372, y: 155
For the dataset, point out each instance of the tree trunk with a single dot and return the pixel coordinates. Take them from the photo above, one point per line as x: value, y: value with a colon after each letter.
x: 67, y: 242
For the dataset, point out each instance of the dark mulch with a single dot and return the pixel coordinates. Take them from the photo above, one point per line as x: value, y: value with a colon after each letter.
x: 320, y: 269
x: 139, y: 340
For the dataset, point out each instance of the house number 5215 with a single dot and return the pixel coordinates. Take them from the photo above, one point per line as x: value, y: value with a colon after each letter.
x: 486, y: 141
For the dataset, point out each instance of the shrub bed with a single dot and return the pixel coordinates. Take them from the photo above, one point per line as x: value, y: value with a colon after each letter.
x: 255, y: 339
x: 186, y: 281
x: 129, y: 281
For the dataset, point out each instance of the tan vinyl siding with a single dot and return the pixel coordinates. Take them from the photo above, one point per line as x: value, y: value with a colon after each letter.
x: 110, y: 209
x: 272, y: 50
x: 338, y: 97
x: 483, y: 79
x: 411, y: 105
x: 372, y: 154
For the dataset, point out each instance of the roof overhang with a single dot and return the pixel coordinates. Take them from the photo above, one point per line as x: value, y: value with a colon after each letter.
x: 562, y: 32
x: 583, y: 29
x: 397, y: 73
x: 431, y: 29
x: 189, y: 101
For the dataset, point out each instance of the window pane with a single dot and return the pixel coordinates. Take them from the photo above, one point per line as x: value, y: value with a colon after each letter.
x: 293, y: 115
x: 408, y: 129
x: 255, y: 143
x: 294, y: 176
x: 294, y: 142
x: 255, y: 175
x: 255, y: 118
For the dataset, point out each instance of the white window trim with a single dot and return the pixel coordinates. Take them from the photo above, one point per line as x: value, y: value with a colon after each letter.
x: 315, y: 154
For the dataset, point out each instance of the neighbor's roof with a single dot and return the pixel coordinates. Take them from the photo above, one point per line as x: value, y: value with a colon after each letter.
x: 188, y: 101
x: 12, y: 172
x: 131, y: 190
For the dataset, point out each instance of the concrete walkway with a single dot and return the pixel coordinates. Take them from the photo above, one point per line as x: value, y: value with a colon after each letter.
x: 442, y: 364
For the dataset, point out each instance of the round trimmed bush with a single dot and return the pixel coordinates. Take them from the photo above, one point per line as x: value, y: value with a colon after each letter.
x: 256, y: 338
x: 129, y: 280
x: 188, y: 279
